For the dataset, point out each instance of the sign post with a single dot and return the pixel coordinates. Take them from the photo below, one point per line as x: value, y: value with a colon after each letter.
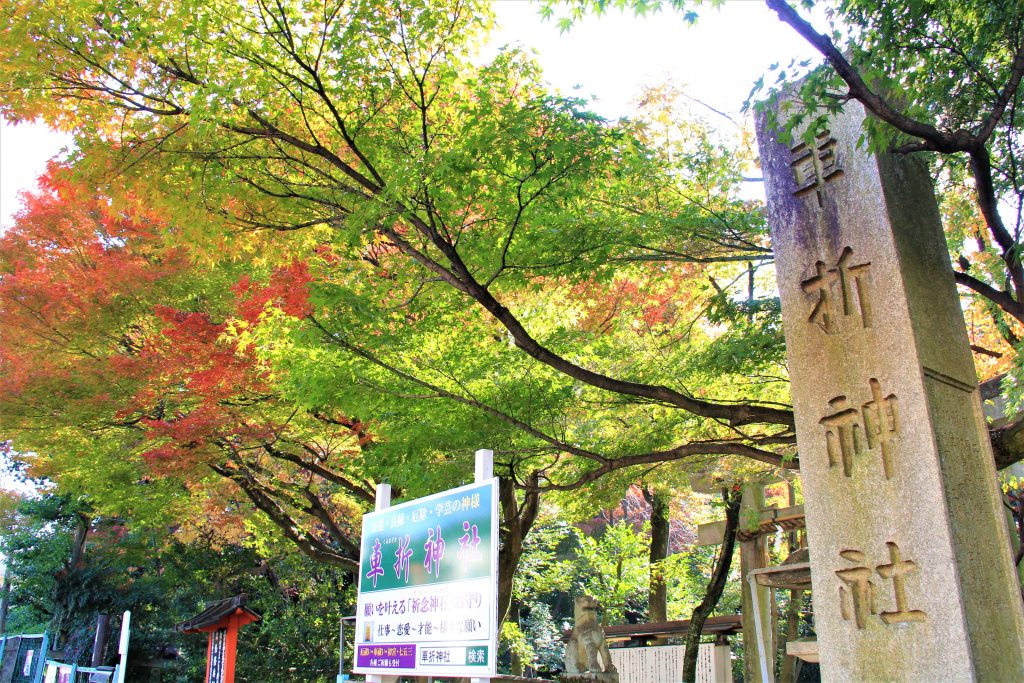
x: 122, y: 645
x: 428, y: 586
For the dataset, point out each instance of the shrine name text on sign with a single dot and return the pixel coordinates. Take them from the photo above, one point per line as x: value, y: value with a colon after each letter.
x: 428, y: 585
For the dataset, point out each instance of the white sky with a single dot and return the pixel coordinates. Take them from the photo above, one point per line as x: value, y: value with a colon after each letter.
x: 614, y: 56
x: 610, y: 58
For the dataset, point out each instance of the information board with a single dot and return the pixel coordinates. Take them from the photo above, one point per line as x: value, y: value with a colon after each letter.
x: 428, y: 583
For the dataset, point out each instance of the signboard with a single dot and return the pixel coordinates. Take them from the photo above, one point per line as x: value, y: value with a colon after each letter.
x: 428, y: 584
x: 216, y: 659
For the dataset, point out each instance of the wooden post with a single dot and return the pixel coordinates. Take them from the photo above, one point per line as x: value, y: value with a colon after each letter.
x: 99, y: 643
x: 484, y: 466
x: 341, y: 649
x: 758, y: 641
x: 230, y: 649
x: 122, y: 645
x: 209, y: 655
x: 383, y: 502
x: 484, y: 470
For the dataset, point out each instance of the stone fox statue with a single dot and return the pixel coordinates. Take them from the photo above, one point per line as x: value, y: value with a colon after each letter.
x: 587, y: 641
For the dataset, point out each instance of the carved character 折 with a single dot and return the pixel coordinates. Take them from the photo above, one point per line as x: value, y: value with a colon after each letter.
x: 840, y: 287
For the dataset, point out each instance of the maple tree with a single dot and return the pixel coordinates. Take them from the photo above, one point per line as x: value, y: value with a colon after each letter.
x: 484, y: 263
x: 118, y: 387
x: 938, y: 78
x: 455, y: 171
x: 468, y: 206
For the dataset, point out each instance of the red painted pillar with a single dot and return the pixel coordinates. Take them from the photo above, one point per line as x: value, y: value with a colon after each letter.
x: 209, y: 651
x: 230, y: 645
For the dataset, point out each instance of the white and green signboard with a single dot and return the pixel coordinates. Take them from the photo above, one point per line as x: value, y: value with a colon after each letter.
x: 428, y: 586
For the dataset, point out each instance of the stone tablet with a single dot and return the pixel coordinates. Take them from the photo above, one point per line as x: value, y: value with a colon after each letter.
x: 911, y: 573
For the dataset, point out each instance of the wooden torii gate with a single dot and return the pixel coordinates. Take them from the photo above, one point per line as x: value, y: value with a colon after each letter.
x: 758, y: 579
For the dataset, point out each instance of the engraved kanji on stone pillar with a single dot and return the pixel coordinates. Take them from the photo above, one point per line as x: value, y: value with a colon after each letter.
x: 881, y: 424
x: 815, y: 165
x: 895, y: 571
x: 858, y: 598
x: 845, y: 280
x: 847, y: 429
x: 842, y: 434
x: 889, y: 423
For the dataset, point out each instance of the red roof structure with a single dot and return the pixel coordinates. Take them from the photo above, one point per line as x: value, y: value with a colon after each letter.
x: 221, y: 620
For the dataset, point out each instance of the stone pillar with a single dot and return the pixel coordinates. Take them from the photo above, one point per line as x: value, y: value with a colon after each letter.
x: 759, y: 658
x: 910, y: 571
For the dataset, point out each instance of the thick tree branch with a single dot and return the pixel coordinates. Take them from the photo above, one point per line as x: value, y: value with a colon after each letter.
x: 692, y: 449
x: 1008, y: 443
x: 960, y: 141
x: 330, y: 475
x: 734, y: 414
x: 313, y: 547
x: 605, y: 464
x: 1002, y: 299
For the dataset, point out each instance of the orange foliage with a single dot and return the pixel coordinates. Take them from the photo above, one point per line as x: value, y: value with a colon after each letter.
x: 656, y: 304
x: 70, y: 285
x: 86, y: 315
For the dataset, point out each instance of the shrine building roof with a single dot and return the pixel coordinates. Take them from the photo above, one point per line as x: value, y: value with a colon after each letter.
x: 217, y: 614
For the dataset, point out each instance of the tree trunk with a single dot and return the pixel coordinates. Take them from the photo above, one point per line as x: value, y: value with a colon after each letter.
x: 5, y: 600
x: 517, y: 661
x: 517, y: 520
x: 715, y: 587
x: 62, y: 598
x: 78, y: 544
x: 658, y: 593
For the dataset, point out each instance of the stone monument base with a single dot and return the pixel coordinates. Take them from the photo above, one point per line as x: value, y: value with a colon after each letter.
x: 590, y: 677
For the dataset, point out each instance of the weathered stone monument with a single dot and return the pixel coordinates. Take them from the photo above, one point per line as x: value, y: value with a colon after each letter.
x: 911, y: 575
x: 587, y: 659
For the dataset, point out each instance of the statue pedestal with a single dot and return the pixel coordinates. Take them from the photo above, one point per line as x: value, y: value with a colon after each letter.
x: 590, y: 677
